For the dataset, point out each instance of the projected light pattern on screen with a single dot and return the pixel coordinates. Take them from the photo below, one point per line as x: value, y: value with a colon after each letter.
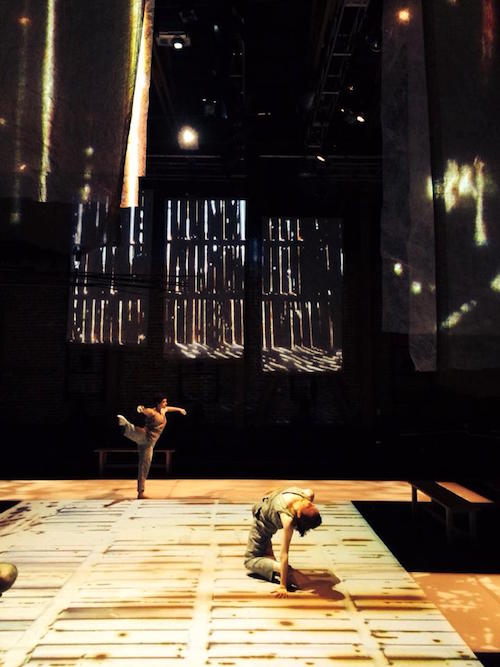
x: 301, y: 301
x: 205, y: 263
x: 457, y: 316
x: 60, y: 94
x: 460, y: 183
x: 19, y: 165
x: 109, y: 292
x: 47, y: 98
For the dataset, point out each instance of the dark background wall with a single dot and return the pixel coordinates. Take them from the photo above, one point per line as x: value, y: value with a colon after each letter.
x: 375, y: 418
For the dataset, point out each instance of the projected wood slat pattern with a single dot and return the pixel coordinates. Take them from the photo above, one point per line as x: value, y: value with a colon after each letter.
x: 205, y: 266
x: 301, y: 294
x: 162, y: 583
x: 110, y: 285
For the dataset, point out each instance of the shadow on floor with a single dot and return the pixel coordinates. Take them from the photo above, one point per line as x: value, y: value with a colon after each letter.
x: 7, y: 504
x: 489, y: 659
x: 420, y: 545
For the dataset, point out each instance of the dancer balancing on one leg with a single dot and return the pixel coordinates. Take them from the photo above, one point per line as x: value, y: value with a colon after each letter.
x: 146, y: 437
x: 290, y: 509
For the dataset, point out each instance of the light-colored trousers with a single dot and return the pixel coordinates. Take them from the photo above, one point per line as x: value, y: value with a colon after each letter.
x: 145, y: 446
x: 259, y: 547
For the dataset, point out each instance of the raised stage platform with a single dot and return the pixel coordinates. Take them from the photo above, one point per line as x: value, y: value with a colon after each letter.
x: 118, y: 581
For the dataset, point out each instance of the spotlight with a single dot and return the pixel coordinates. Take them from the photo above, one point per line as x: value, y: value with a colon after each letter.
x: 188, y: 138
x: 360, y: 118
x: 404, y: 15
x: 178, y: 43
x: 320, y: 158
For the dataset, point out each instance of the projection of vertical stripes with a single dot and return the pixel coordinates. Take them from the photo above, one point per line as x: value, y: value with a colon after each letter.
x: 205, y: 278
x: 48, y: 75
x: 301, y: 294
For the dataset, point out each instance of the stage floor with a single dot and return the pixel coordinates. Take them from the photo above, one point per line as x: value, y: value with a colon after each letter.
x: 112, y: 580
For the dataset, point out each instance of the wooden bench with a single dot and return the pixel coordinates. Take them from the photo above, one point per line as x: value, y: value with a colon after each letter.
x: 452, y: 504
x: 106, y: 451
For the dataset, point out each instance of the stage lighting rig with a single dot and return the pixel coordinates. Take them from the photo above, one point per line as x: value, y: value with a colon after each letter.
x: 175, y: 39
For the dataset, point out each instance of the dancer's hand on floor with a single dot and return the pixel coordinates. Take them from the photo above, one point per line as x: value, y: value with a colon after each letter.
x: 280, y: 592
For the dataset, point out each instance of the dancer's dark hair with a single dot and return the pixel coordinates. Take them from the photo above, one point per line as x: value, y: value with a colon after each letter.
x: 309, y: 518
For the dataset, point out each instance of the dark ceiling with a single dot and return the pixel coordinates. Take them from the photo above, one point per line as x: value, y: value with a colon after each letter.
x: 267, y: 77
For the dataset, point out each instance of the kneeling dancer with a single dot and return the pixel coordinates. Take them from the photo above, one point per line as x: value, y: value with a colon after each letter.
x: 290, y: 509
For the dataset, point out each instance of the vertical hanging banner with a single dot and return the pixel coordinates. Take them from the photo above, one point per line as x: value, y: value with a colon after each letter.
x: 463, y: 69
x: 111, y: 248
x: 407, y: 223
x: 69, y: 72
x: 74, y: 86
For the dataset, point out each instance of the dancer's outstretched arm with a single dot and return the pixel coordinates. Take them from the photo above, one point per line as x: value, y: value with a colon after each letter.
x: 171, y: 408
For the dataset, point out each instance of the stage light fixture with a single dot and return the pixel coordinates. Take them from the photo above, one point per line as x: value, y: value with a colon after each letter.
x: 320, y: 158
x: 188, y: 138
x: 404, y: 15
x: 374, y: 42
x: 360, y: 118
x: 175, y: 39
